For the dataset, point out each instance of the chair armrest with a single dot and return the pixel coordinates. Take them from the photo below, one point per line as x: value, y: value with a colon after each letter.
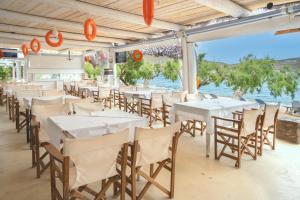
x: 54, y: 152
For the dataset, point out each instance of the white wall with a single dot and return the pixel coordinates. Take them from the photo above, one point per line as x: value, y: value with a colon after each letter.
x: 55, y: 64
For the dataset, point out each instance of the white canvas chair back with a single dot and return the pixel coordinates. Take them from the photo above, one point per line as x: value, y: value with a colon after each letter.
x: 269, y: 115
x: 249, y: 121
x: 181, y: 95
x: 154, y: 143
x: 171, y: 100
x: 21, y: 94
x: 157, y: 100
x: 104, y: 92
x: 43, y: 112
x: 87, y: 108
x: 52, y: 101
x: 193, y: 97
x: 52, y: 93
x: 94, y: 158
x: 70, y: 101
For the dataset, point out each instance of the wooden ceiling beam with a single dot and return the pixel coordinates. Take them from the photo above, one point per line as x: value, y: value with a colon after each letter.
x: 66, y: 41
x: 225, y: 6
x: 96, y: 10
x: 6, y: 14
x: 67, y: 35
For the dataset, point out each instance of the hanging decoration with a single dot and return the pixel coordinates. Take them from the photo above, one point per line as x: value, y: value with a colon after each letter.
x: 1, y: 54
x: 35, y: 45
x: 198, y: 82
x: 87, y: 58
x: 54, y: 44
x: 25, y: 50
x: 90, y: 23
x: 137, y: 56
x: 148, y: 11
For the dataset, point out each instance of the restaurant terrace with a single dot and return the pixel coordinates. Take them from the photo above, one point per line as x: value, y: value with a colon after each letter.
x: 75, y: 125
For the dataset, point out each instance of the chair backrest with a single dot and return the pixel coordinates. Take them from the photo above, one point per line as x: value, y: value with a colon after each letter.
x: 43, y: 112
x: 157, y: 100
x: 296, y: 106
x: 249, y: 122
x: 270, y: 115
x: 193, y: 97
x: 104, y: 92
x: 180, y: 95
x: 20, y: 94
x: 94, y: 158
x: 52, y: 101
x: 171, y: 100
x: 154, y: 143
x: 87, y: 108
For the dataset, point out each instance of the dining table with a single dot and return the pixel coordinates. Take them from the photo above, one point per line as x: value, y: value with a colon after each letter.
x: 27, y: 100
x: 94, y: 124
x: 203, y: 110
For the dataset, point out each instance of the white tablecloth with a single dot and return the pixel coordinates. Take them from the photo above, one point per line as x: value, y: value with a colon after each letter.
x: 205, y: 109
x: 27, y: 100
x: 99, y: 123
x: 140, y: 93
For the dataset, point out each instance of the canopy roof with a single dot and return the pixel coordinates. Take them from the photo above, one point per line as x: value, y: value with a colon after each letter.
x: 118, y: 22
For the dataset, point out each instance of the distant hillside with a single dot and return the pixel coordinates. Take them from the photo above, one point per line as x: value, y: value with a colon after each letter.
x: 294, y: 63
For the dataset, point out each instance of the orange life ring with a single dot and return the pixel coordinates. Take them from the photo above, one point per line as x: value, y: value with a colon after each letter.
x: 34, y: 48
x: 54, y: 44
x: 25, y: 50
x: 90, y: 23
x: 1, y: 54
x: 137, y: 56
x: 148, y: 11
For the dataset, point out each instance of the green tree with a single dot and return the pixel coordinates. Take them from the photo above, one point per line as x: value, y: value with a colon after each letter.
x: 171, y: 69
x: 129, y: 72
x: 249, y: 75
x: 5, y: 73
x: 92, y: 71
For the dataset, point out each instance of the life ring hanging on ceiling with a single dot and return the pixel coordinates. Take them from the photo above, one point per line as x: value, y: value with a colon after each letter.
x: 90, y: 23
x: 54, y: 44
x: 36, y: 48
x: 137, y: 56
x: 148, y: 11
x: 25, y: 50
x: 1, y: 54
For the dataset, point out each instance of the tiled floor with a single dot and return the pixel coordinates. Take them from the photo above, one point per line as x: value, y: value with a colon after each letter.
x: 274, y: 176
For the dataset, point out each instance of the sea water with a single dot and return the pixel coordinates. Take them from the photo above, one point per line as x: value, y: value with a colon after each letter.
x: 223, y: 90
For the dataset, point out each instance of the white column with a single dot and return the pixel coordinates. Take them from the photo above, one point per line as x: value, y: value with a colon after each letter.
x: 18, y: 70
x: 14, y: 72
x: 112, y: 65
x: 185, y: 64
x: 192, y: 69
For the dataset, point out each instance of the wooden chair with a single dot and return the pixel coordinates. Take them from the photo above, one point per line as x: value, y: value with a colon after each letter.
x: 132, y: 104
x: 268, y: 127
x: 87, y: 108
x: 103, y: 95
x: 2, y: 97
x: 39, y: 137
x: 116, y: 97
x: 86, y: 161
x: 155, y: 148
x: 152, y: 108
x: 192, y: 126
x: 240, y: 139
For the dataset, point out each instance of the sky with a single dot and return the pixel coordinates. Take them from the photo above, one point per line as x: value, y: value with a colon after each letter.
x: 230, y: 50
